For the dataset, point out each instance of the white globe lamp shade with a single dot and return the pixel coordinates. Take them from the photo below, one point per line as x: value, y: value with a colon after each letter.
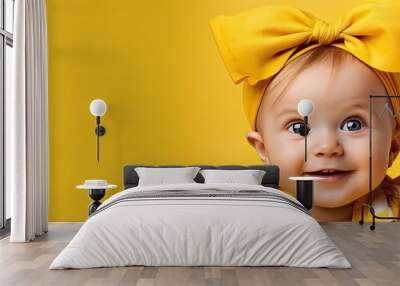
x: 98, y: 107
x: 305, y: 107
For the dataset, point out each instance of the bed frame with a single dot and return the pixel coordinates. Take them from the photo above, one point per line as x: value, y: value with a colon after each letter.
x: 270, y: 179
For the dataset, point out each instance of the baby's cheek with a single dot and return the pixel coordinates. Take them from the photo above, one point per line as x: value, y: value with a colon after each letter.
x: 356, y: 158
x: 356, y: 154
x: 290, y: 153
x: 289, y: 156
x: 381, y: 141
x: 380, y: 162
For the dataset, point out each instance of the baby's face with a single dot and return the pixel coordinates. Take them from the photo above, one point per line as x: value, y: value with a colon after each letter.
x: 339, y: 138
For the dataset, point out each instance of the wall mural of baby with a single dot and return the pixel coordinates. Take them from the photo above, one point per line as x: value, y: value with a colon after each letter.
x: 283, y: 55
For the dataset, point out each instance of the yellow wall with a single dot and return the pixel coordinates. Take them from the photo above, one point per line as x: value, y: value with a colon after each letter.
x: 155, y: 64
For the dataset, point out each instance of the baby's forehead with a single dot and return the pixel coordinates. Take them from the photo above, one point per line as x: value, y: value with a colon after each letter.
x: 331, y: 100
x: 341, y: 87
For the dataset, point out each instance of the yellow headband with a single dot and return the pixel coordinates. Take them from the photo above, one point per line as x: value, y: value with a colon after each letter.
x: 256, y: 44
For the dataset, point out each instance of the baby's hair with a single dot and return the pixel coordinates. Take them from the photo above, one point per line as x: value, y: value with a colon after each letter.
x: 281, y: 82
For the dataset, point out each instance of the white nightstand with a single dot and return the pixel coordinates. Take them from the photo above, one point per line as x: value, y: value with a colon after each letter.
x: 97, y: 190
x: 305, y: 190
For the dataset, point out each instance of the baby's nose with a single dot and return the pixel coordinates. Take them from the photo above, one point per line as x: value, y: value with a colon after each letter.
x: 325, y: 142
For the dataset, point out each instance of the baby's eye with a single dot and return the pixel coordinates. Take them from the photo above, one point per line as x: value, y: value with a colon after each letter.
x: 297, y: 127
x: 352, y: 125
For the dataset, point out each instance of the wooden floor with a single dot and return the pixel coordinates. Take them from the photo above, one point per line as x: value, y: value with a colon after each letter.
x: 375, y: 257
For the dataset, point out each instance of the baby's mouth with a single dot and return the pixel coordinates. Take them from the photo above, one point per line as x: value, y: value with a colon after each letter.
x: 330, y: 175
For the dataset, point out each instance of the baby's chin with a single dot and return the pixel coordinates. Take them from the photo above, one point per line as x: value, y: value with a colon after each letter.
x: 339, y: 193
x: 341, y: 190
x: 328, y: 195
x: 323, y: 202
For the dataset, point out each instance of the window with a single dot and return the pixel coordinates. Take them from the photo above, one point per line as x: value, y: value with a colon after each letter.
x: 6, y: 60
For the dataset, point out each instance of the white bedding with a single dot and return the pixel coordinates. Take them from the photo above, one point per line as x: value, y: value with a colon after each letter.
x: 183, y: 231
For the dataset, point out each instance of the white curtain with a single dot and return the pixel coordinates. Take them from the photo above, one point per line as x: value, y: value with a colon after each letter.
x: 27, y: 124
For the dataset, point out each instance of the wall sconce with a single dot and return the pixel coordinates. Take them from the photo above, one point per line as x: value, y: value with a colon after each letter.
x: 98, y: 108
x: 305, y: 107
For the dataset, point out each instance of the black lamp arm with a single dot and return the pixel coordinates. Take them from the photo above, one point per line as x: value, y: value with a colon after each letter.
x: 100, y: 131
x: 305, y: 137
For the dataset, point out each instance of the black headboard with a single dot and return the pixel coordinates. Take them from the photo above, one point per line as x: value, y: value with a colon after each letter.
x: 270, y: 179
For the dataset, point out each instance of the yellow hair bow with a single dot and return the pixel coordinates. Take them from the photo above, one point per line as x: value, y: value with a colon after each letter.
x: 256, y: 44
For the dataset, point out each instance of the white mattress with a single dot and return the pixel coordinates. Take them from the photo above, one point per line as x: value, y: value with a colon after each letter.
x: 191, y: 231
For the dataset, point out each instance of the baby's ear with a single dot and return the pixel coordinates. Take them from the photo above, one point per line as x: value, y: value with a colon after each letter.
x: 257, y: 142
x: 395, y: 145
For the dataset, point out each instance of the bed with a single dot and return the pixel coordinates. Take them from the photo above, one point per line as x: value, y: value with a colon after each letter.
x: 201, y: 224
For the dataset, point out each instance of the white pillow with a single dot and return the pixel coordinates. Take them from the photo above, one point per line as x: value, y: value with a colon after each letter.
x: 248, y: 177
x: 162, y: 176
